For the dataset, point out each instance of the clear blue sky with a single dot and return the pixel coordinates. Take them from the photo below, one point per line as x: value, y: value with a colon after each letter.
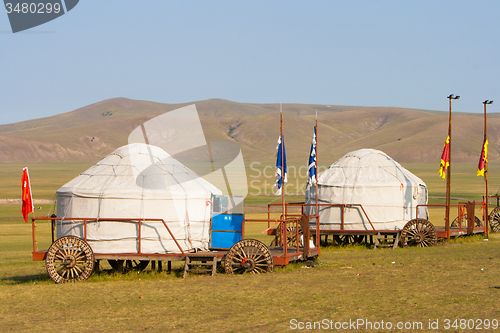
x: 366, y: 53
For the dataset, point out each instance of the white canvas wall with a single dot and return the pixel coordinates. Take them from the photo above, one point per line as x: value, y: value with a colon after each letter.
x: 138, y: 181
x: 387, y: 192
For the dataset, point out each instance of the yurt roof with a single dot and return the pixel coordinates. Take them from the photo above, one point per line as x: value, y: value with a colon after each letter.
x: 367, y: 167
x: 139, y: 171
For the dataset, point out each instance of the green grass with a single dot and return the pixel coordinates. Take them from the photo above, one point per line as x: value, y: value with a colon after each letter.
x: 45, y: 178
x: 464, y: 181
x: 351, y: 282
x: 12, y: 212
x: 456, y: 279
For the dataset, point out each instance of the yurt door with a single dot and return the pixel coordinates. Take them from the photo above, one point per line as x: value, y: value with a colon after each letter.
x: 227, y: 225
x: 422, y: 200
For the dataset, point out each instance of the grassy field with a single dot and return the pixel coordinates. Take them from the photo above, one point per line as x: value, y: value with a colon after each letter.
x: 459, y: 279
x: 45, y: 178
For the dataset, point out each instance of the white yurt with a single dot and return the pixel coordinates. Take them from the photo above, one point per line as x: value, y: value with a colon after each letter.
x: 137, y: 181
x: 387, y: 192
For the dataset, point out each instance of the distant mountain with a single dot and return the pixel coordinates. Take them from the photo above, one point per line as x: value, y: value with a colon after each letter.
x: 407, y: 135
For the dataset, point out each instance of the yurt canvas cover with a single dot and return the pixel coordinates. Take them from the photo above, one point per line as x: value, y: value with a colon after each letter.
x: 138, y: 181
x: 387, y: 192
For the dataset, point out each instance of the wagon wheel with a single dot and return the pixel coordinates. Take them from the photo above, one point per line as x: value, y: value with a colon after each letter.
x: 248, y: 255
x: 477, y: 222
x: 344, y: 239
x: 291, y: 235
x: 277, y: 239
x: 418, y: 232
x: 359, y: 239
x: 69, y: 259
x: 495, y: 219
x: 128, y: 265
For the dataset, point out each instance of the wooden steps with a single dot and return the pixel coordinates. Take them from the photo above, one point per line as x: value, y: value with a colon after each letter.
x: 387, y: 240
x: 200, y: 265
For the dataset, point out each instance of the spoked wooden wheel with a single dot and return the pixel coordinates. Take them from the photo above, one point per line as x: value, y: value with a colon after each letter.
x: 343, y: 239
x: 291, y: 235
x: 348, y: 239
x: 455, y: 224
x: 69, y: 259
x: 495, y: 219
x: 248, y: 255
x: 128, y: 265
x: 418, y: 232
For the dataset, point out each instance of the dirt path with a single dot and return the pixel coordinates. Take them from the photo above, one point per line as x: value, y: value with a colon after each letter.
x: 18, y: 201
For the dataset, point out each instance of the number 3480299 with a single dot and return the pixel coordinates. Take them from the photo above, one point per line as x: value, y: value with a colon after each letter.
x: 471, y: 324
x: 33, y: 8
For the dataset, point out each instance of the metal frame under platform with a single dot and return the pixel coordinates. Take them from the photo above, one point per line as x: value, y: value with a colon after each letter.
x: 242, y: 256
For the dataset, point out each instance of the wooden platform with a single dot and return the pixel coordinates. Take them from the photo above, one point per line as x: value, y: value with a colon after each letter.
x: 161, y: 256
x: 354, y: 232
x: 277, y: 253
x: 281, y: 259
x: 456, y: 232
x: 441, y: 232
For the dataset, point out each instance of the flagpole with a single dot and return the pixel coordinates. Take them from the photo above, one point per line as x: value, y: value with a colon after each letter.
x: 282, y: 164
x: 486, y: 170
x: 318, y: 235
x: 448, y: 172
x: 316, y: 162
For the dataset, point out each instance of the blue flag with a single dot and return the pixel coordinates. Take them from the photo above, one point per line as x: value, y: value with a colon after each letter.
x: 311, y: 165
x: 279, y: 167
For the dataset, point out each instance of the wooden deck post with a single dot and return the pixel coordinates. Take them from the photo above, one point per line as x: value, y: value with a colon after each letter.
x: 304, y: 220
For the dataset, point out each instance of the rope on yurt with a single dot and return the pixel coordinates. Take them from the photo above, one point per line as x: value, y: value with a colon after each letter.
x: 209, y: 205
x: 189, y: 172
x: 273, y: 200
x: 189, y: 230
x: 53, y: 208
x: 54, y: 201
x: 142, y: 215
x: 100, y: 198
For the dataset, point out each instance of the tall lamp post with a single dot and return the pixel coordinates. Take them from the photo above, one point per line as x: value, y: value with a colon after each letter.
x: 486, y: 102
x: 448, y: 172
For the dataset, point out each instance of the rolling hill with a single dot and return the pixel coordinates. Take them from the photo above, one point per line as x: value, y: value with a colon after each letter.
x: 408, y: 135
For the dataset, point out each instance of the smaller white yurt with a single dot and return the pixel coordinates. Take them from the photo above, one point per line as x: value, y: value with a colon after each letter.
x: 387, y: 192
x: 137, y: 181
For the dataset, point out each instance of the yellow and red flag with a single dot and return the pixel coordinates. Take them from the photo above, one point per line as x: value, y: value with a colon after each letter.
x: 28, y: 206
x: 483, y: 159
x: 445, y: 158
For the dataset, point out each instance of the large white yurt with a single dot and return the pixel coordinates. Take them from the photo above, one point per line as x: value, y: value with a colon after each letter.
x: 387, y: 192
x: 137, y: 181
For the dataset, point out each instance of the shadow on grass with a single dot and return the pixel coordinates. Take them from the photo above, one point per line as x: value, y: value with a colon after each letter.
x: 136, y: 274
x: 365, y: 244
x: 336, y: 246
x: 25, y: 279
x: 103, y: 274
x: 465, y: 239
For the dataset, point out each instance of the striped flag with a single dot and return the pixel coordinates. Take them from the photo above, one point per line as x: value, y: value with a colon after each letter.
x: 311, y: 166
x: 280, y: 168
x: 483, y: 159
x: 445, y: 158
x: 27, y: 198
